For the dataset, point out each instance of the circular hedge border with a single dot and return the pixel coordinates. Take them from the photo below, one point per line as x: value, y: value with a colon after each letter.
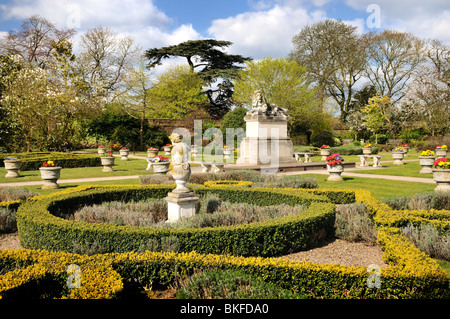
x: 41, y: 226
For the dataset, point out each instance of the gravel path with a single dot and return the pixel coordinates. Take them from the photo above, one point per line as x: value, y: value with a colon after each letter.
x: 338, y: 252
x: 342, y: 252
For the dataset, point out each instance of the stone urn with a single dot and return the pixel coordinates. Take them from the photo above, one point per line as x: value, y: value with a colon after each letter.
x: 12, y: 167
x: 160, y: 167
x: 101, y: 151
x: 50, y: 176
x: 442, y: 179
x: 107, y: 162
x: 194, y: 151
x: 440, y: 152
x: 151, y: 153
x: 367, y: 150
x: 398, y: 158
x: 167, y: 149
x: 335, y: 172
x: 325, y: 152
x: 427, y: 164
x: 124, y: 153
x: 227, y: 152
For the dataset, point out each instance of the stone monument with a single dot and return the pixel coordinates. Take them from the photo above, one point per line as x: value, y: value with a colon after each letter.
x: 181, y: 201
x: 266, y: 140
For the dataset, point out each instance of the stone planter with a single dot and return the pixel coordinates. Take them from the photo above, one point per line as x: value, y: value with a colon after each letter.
x: 442, y: 179
x: 124, y: 154
x: 167, y: 149
x: 398, y: 158
x: 107, y: 162
x: 440, y: 152
x: 227, y: 153
x: 194, y: 151
x: 151, y: 154
x: 50, y: 175
x: 367, y: 151
x: 335, y: 173
x: 101, y: 150
x: 325, y: 152
x: 427, y: 164
x: 12, y: 167
x: 160, y: 167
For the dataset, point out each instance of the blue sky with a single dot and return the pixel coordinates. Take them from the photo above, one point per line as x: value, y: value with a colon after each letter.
x: 257, y: 28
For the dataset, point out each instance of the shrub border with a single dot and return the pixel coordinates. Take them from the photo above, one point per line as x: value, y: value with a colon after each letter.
x: 40, y: 229
x: 410, y: 273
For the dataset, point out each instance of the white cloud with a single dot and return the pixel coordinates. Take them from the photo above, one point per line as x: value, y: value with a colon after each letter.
x: 426, y: 19
x: 120, y: 14
x: 140, y: 19
x: 263, y: 33
x: 153, y: 37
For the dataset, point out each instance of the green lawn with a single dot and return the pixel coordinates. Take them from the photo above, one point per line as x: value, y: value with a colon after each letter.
x: 411, y: 169
x: 379, y: 188
x: 131, y: 167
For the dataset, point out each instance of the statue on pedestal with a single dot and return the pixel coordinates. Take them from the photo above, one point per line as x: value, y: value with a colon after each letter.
x: 181, y: 202
x: 179, y: 163
x: 266, y: 141
x: 261, y: 107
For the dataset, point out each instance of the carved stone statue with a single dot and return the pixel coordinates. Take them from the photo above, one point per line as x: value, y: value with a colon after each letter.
x: 261, y: 107
x: 181, y: 202
x: 179, y: 163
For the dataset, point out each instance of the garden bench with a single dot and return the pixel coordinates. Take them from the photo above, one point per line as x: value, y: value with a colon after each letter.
x: 307, y: 155
x: 394, y: 142
x: 212, y: 167
x: 376, y: 160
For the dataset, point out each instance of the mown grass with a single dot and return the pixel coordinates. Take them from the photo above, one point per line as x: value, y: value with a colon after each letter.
x: 379, y: 188
x: 410, y: 169
x: 133, y: 166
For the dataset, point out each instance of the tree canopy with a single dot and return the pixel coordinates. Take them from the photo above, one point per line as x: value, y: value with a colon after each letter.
x: 211, y: 63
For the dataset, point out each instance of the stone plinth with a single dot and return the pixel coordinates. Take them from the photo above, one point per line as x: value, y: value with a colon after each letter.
x: 266, y: 141
x: 181, y: 205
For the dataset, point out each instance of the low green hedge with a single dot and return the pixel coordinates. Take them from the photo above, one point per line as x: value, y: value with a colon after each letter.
x: 32, y: 161
x: 40, y: 227
x: 356, y: 150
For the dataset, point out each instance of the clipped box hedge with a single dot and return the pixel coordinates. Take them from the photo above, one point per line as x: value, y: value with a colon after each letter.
x: 32, y: 161
x: 40, y: 227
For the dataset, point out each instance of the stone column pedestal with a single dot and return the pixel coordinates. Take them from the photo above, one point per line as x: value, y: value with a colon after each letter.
x: 181, y: 205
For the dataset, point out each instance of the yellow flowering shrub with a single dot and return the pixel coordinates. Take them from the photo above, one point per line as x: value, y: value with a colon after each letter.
x: 220, y: 183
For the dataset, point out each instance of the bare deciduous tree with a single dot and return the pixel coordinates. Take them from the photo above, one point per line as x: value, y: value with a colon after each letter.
x: 335, y: 57
x: 34, y: 42
x: 428, y: 96
x: 104, y: 60
x: 393, y: 59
